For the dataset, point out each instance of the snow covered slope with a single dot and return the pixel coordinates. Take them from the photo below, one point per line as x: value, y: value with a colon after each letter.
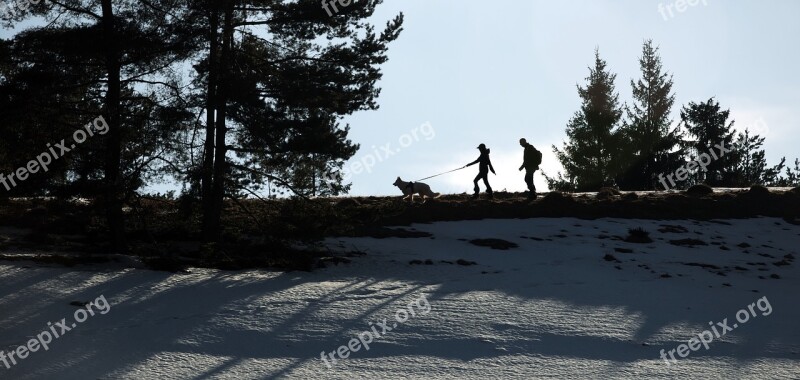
x: 572, y: 300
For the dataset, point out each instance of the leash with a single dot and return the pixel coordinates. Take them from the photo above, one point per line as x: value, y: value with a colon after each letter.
x: 463, y: 167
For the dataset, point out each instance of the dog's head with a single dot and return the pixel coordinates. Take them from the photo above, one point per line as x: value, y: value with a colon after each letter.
x: 398, y: 182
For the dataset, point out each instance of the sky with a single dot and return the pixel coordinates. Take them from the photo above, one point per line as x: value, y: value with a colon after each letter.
x: 466, y: 72
x: 492, y: 72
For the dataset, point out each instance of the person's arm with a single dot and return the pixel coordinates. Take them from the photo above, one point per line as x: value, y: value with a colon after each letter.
x: 473, y: 162
x: 491, y: 167
x: 524, y: 157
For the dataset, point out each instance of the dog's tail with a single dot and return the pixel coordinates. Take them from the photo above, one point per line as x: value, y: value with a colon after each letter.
x: 430, y: 194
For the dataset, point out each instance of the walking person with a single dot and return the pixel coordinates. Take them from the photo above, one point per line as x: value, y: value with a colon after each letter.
x: 485, y: 164
x: 531, y: 160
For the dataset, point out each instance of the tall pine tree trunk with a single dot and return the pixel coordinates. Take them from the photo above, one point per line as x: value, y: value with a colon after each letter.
x: 113, y: 178
x: 220, y: 163
x: 208, y: 152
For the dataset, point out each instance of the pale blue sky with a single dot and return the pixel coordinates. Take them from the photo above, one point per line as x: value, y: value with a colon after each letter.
x: 492, y: 72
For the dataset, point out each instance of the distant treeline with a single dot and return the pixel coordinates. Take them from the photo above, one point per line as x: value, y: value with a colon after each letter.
x: 638, y: 147
x: 226, y: 96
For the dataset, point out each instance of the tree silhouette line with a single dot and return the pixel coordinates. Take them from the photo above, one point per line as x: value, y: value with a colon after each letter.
x: 226, y: 96
x: 231, y: 97
x: 637, y: 146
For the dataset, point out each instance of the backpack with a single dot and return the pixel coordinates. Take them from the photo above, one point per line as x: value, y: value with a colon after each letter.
x: 533, y: 157
x: 537, y: 157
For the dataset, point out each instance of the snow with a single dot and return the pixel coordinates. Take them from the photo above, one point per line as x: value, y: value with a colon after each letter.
x: 551, y: 308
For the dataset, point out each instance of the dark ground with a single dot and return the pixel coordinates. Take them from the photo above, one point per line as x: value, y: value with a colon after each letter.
x: 164, y: 234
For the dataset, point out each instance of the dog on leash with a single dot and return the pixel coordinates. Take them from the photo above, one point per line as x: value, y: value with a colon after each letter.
x: 410, y: 189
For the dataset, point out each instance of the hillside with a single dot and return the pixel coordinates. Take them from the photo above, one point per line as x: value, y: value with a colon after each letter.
x: 516, y: 299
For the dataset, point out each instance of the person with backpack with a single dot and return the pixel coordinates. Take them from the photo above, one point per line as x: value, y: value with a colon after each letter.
x: 531, y: 160
x: 483, y: 171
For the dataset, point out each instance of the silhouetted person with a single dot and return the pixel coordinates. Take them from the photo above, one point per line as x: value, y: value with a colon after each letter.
x: 531, y: 160
x: 483, y: 171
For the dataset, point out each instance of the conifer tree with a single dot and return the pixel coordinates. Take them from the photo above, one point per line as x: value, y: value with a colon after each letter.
x: 751, y: 168
x: 710, y: 132
x: 651, y: 145
x: 277, y: 78
x: 121, y: 55
x: 589, y: 154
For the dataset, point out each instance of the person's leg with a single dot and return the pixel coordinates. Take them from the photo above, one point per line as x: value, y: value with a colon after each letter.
x: 529, y: 179
x: 475, y: 181
x: 529, y: 182
x: 486, y: 182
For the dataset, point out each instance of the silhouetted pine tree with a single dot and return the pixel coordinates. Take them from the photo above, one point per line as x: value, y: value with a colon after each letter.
x: 752, y: 169
x: 791, y: 178
x: 707, y: 125
x: 651, y: 146
x: 43, y: 103
x: 277, y: 77
x: 122, y: 54
x: 589, y: 154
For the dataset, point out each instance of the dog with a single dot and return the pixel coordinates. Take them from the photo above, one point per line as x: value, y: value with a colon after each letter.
x: 409, y: 189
